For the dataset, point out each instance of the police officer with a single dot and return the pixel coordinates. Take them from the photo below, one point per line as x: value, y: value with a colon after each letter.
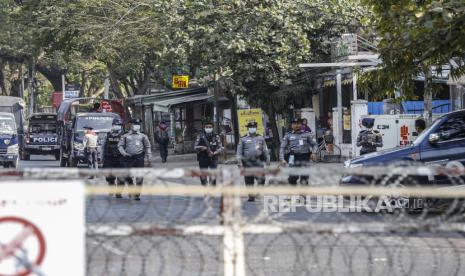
x: 90, y: 142
x: 252, y: 151
x: 208, y: 146
x: 163, y: 138
x: 420, y: 125
x: 112, y: 158
x: 299, y: 145
x: 368, y: 138
x: 136, y: 150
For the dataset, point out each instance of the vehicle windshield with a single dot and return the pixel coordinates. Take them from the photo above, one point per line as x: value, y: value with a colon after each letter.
x: 424, y: 134
x: 98, y: 123
x: 42, y: 127
x: 7, y: 125
x: 6, y: 109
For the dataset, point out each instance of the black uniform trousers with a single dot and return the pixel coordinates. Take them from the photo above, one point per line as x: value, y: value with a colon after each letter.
x: 207, y: 163
x: 163, y: 150
x: 250, y: 179
x: 111, y: 162
x: 300, y: 160
x: 136, y: 161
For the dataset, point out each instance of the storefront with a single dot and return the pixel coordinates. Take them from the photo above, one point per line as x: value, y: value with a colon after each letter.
x: 183, y: 110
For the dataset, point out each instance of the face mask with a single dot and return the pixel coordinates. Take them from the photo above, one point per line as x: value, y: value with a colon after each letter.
x: 252, y: 130
x: 136, y: 128
x: 116, y: 128
x: 208, y: 130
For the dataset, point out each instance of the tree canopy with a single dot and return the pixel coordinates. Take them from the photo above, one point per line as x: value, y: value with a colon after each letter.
x: 415, y: 35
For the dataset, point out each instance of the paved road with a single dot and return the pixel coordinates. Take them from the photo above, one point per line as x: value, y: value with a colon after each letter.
x: 288, y: 253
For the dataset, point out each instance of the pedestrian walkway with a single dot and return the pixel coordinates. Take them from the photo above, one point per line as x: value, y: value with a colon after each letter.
x: 190, y: 161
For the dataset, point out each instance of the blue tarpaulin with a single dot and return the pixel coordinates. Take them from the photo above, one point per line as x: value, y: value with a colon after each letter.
x: 411, y: 107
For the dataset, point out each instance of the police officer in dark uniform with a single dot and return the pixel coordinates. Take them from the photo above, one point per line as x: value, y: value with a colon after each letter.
x: 420, y: 125
x: 299, y: 145
x: 252, y: 152
x: 112, y: 158
x: 136, y: 150
x: 368, y: 138
x: 208, y: 146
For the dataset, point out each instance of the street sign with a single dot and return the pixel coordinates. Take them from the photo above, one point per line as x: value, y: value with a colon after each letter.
x: 71, y: 90
x: 42, y: 228
x: 180, y: 82
x: 250, y: 115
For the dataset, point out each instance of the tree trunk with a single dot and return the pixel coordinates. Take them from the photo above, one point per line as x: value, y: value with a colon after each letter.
x: 234, y: 119
x: 274, y: 127
x: 115, y: 83
x: 3, y: 90
x: 82, y: 87
x: 52, y: 74
x: 428, y: 97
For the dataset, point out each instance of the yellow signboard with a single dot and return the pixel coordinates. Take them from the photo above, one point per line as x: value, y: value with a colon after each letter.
x: 346, y: 119
x: 180, y: 82
x: 250, y: 115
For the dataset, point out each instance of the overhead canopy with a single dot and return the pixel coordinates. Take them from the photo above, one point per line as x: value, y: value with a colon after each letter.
x: 165, y: 101
x: 166, y: 105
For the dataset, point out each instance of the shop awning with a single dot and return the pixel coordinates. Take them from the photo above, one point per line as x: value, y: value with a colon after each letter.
x: 166, y: 100
x: 166, y: 104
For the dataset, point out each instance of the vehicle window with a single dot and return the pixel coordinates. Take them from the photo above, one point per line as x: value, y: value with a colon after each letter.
x: 7, y: 126
x: 425, y: 133
x: 42, y: 127
x: 453, y: 128
x: 98, y: 123
x: 6, y: 109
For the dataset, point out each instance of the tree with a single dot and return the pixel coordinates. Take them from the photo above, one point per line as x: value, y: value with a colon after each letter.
x: 416, y: 35
x: 257, y: 45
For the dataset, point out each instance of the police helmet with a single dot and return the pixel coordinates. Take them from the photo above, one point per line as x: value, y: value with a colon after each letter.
x: 420, y: 123
x: 117, y: 121
x: 135, y: 121
x: 252, y: 124
x: 207, y: 122
x: 368, y: 122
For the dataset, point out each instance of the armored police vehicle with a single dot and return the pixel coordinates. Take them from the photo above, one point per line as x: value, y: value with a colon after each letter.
x: 101, y: 124
x: 73, y: 115
x: 9, y: 147
x: 41, y: 137
x: 15, y: 106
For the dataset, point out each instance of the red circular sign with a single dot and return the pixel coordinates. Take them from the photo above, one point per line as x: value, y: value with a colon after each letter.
x: 8, y: 249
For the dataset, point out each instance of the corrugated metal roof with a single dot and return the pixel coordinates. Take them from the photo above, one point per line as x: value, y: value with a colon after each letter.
x: 166, y: 105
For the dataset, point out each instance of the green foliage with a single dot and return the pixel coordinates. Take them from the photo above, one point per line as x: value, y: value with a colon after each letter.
x: 252, y: 47
x: 414, y: 36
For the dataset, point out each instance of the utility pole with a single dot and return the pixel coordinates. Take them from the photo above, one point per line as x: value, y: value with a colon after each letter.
x: 339, y: 106
x: 106, y: 91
